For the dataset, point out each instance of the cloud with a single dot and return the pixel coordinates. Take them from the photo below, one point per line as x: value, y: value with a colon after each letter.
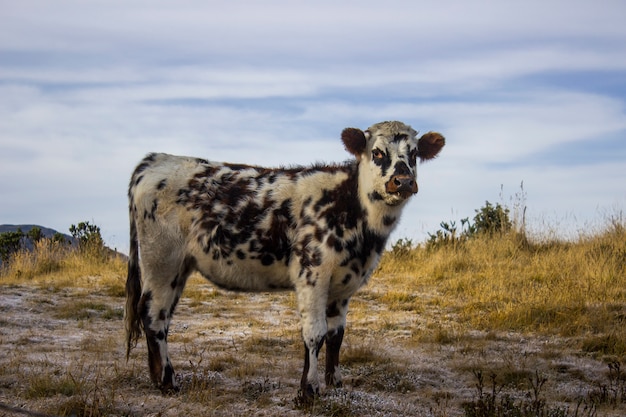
x: 522, y: 93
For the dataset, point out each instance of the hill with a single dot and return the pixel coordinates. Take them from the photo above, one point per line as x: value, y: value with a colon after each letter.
x: 28, y: 244
x: 45, y: 231
x: 25, y: 242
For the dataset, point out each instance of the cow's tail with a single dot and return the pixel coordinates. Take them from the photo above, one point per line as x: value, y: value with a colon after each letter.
x: 132, y: 321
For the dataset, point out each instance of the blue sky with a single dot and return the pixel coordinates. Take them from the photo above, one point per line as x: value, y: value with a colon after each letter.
x: 527, y: 92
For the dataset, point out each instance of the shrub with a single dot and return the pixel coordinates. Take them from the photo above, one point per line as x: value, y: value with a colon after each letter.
x: 488, y: 221
x: 10, y: 243
x: 491, y: 219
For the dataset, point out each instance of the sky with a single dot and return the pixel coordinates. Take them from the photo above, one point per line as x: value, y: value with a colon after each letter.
x: 531, y: 97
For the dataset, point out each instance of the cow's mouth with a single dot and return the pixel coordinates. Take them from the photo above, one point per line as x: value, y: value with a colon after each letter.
x: 402, y: 194
x: 397, y: 197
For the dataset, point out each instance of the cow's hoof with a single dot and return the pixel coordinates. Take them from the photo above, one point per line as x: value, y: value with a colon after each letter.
x: 306, y: 397
x: 169, y: 389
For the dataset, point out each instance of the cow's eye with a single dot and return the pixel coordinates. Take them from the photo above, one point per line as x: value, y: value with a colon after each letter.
x: 377, y: 154
x: 413, y: 157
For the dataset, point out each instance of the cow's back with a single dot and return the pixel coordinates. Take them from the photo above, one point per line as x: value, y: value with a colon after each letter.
x: 236, y: 224
x: 153, y: 194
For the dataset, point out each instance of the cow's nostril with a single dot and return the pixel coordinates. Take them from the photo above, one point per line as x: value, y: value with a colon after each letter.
x: 397, y: 181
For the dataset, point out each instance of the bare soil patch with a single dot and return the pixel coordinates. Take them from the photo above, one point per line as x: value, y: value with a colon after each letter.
x: 62, y: 353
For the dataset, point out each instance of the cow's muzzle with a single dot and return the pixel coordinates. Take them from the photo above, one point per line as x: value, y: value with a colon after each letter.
x: 403, y: 185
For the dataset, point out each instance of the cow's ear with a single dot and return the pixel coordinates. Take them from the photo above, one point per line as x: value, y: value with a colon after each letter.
x: 429, y: 145
x: 354, y: 140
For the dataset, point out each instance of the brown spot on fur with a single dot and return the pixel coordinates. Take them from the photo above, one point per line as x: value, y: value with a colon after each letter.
x: 346, y: 279
x: 389, y: 220
x: 332, y: 310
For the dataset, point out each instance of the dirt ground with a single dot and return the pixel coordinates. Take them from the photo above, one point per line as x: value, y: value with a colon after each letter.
x: 62, y: 353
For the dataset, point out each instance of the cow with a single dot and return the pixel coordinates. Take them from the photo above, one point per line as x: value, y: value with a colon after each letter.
x: 319, y: 230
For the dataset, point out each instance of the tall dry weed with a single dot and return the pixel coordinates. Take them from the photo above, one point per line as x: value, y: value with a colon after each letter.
x: 59, y: 265
x: 46, y: 258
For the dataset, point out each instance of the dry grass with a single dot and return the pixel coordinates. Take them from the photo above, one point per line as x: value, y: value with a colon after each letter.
x: 428, y: 323
x: 54, y: 265
x: 509, y: 284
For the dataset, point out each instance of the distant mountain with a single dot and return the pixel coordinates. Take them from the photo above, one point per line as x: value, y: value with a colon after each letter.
x: 45, y: 231
x: 48, y: 233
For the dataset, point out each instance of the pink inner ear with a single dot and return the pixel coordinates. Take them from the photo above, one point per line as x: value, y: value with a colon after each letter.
x: 354, y: 141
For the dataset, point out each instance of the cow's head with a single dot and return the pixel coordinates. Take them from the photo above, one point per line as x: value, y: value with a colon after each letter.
x: 387, y: 153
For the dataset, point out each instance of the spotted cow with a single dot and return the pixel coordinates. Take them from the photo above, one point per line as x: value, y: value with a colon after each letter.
x: 319, y: 230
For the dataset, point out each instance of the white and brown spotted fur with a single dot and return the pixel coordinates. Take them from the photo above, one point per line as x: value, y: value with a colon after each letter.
x: 318, y: 230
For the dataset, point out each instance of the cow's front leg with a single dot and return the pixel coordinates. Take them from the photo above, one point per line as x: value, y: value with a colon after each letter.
x: 336, y: 322
x: 311, y: 304
x: 309, y: 384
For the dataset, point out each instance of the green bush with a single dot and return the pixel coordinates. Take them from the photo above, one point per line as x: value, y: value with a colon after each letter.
x: 10, y: 242
x: 489, y: 220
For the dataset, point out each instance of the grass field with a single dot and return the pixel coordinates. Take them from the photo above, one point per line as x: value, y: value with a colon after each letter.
x: 488, y: 326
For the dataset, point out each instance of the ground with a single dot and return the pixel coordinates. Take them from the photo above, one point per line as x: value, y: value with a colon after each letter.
x: 62, y: 353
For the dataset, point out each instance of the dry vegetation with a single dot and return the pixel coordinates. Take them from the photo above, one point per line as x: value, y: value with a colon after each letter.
x: 489, y: 326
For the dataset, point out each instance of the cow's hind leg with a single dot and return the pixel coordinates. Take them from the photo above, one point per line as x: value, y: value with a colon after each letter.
x: 156, y: 308
x: 155, y: 325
